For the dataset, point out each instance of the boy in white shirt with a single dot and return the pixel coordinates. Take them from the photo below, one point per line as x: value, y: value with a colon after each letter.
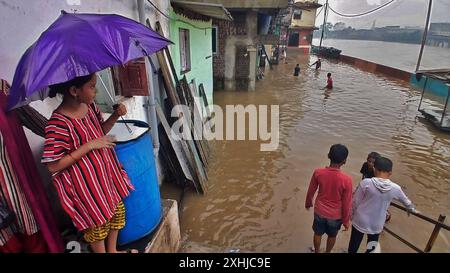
x: 370, y: 202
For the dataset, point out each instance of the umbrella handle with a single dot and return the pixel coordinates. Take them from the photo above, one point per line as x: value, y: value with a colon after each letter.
x: 106, y: 89
x: 115, y: 105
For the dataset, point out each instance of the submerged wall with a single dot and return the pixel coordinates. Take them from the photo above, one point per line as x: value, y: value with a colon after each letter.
x: 376, y: 68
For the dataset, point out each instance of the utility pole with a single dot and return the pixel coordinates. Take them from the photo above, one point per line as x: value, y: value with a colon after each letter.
x: 424, y: 36
x: 324, y: 22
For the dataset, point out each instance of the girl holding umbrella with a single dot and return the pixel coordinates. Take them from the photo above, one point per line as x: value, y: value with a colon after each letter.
x: 89, y: 179
x: 88, y: 176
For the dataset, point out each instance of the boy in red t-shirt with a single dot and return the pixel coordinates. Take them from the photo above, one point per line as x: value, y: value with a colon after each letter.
x: 329, y: 81
x: 334, y: 199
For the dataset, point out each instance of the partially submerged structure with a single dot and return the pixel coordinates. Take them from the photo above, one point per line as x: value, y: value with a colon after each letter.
x: 435, y: 85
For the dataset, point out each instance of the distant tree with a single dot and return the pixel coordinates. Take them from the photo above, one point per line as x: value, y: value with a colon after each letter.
x: 328, y: 26
x: 339, y: 26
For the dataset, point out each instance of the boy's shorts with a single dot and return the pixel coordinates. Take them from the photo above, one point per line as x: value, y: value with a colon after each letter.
x: 100, y: 233
x: 323, y: 225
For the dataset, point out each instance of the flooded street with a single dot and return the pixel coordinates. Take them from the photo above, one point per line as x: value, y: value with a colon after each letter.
x: 256, y: 199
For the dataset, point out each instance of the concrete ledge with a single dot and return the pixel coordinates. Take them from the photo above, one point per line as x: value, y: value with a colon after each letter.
x: 376, y: 68
x: 167, y: 237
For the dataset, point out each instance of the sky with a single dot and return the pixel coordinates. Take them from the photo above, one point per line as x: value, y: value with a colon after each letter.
x: 400, y: 12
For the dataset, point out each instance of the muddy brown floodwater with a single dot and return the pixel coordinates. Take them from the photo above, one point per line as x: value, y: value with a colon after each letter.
x: 256, y: 199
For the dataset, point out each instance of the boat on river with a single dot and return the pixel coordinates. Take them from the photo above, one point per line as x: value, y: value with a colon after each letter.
x: 328, y: 52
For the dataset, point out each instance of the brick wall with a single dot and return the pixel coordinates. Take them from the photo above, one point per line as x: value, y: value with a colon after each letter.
x: 226, y: 29
x: 219, y: 57
x: 242, y: 67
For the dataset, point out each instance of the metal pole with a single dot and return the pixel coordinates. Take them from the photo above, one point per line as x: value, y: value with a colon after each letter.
x: 423, y: 92
x: 151, y: 102
x: 446, y: 104
x: 323, y: 26
x: 424, y: 36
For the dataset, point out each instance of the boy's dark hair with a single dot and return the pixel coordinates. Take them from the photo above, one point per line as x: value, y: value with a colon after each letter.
x: 374, y: 155
x: 338, y: 153
x: 298, y: 64
x: 329, y: 75
x: 383, y: 164
x: 64, y: 87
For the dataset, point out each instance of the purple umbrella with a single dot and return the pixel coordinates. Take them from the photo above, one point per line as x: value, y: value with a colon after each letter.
x: 77, y: 45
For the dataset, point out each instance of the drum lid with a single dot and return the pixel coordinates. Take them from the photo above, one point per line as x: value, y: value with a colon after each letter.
x: 122, y: 134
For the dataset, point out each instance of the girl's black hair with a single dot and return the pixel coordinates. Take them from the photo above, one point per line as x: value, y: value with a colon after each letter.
x: 64, y: 87
x: 374, y: 155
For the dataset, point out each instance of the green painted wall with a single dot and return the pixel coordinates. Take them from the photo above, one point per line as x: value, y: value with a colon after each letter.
x: 201, y: 51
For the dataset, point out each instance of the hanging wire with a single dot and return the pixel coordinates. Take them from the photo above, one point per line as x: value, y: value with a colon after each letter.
x: 319, y: 12
x: 361, y: 14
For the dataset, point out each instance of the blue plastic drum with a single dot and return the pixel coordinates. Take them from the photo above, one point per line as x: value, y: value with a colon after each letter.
x: 143, y: 205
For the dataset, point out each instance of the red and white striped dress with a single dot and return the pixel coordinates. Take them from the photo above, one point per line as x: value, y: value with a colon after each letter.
x: 91, y: 188
x: 13, y: 197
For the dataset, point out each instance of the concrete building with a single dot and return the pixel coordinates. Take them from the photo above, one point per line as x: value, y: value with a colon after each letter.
x: 303, y: 24
x: 192, y: 31
x: 235, y: 54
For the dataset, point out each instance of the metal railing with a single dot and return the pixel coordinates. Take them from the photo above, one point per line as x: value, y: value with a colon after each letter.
x: 438, y: 225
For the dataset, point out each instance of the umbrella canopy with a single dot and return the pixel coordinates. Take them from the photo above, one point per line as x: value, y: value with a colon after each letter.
x: 76, y: 45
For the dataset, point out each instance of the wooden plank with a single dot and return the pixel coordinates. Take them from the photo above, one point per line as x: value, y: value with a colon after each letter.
x: 171, y: 93
x: 186, y: 98
x: 199, y: 165
x: 189, y: 99
x: 170, y: 162
x: 434, y: 234
x: 202, y: 94
x: 171, y: 155
x: 197, y: 131
x: 195, y: 145
x: 168, y: 56
x: 199, y: 111
x: 174, y: 99
x: 182, y: 152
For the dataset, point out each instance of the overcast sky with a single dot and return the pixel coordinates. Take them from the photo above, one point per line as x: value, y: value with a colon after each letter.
x: 401, y: 12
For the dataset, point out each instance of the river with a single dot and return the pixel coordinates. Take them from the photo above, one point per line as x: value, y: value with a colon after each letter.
x: 256, y: 199
x: 398, y: 55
